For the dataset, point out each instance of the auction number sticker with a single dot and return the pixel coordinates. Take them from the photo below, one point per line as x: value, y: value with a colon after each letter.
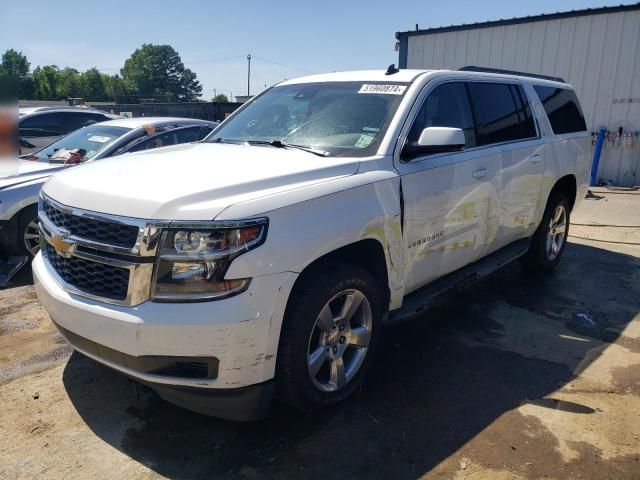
x: 383, y: 89
x: 99, y: 139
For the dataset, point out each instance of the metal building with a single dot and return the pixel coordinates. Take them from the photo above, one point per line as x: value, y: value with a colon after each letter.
x: 596, y: 50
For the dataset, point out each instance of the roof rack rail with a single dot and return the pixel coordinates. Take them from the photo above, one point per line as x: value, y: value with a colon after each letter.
x: 473, y: 68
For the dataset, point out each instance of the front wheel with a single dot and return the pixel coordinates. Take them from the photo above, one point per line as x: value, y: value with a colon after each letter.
x: 549, y: 240
x: 329, y: 335
x: 28, y: 241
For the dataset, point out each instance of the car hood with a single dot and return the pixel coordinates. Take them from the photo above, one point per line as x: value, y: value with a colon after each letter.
x: 26, y: 171
x: 191, y: 181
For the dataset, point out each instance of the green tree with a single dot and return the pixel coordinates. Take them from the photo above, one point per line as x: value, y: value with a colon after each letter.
x: 221, y: 97
x: 68, y: 85
x: 46, y: 80
x: 116, y: 88
x: 93, y: 87
x: 157, y: 71
x: 15, y: 64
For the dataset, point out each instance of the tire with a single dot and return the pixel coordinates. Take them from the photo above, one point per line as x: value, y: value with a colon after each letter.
x: 26, y: 244
x: 544, y: 253
x: 310, y: 343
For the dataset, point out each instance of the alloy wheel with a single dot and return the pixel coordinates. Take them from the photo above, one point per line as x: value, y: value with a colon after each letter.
x: 31, y: 237
x: 557, y: 232
x: 339, y: 340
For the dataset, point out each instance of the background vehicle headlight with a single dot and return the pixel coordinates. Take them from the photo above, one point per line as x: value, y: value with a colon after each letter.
x: 194, y: 259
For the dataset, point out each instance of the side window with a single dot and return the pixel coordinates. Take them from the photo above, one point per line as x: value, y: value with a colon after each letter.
x: 172, y: 137
x: 447, y: 105
x: 497, y: 118
x: 187, y: 135
x: 74, y: 121
x: 527, y: 125
x: 154, y: 142
x: 204, y: 131
x: 44, y: 125
x: 562, y: 108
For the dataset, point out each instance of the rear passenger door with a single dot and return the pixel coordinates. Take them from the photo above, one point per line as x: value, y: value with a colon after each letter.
x: 504, y: 120
x: 450, y: 199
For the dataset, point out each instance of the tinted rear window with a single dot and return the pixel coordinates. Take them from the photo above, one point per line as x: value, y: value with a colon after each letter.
x: 496, y: 113
x: 563, y: 109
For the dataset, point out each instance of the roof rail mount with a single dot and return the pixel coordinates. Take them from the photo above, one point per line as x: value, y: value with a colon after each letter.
x: 473, y: 68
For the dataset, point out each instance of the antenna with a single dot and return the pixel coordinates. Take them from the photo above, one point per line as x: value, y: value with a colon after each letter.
x: 392, y: 69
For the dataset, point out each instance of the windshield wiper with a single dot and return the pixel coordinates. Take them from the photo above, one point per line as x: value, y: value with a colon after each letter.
x: 226, y: 140
x: 281, y: 144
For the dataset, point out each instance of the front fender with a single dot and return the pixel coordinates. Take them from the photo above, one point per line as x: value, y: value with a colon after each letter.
x: 303, y: 232
x: 14, y: 199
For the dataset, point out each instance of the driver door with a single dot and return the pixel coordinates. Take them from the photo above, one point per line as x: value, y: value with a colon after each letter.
x: 450, y: 199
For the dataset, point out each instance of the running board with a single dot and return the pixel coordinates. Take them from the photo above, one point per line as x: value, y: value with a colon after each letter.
x: 416, y: 302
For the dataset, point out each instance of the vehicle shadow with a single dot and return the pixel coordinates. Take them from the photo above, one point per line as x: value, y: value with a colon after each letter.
x: 23, y: 277
x: 438, y: 381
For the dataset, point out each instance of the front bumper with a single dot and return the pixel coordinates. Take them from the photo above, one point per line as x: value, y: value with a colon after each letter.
x: 239, y: 335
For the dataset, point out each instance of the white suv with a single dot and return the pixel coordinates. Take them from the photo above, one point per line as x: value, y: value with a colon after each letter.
x: 264, y: 260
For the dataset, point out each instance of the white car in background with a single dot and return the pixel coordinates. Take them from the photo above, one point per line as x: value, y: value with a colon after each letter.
x: 19, y: 192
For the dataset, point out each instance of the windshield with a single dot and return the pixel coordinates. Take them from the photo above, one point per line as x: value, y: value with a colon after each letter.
x: 339, y: 118
x: 83, y: 143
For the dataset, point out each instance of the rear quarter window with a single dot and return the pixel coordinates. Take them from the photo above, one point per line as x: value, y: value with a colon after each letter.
x: 562, y: 108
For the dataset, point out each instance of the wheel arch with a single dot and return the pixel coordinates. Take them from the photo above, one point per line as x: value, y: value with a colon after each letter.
x: 568, y: 186
x: 367, y: 253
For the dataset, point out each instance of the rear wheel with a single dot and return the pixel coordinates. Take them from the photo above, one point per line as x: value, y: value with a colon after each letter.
x: 549, y: 240
x: 328, y: 338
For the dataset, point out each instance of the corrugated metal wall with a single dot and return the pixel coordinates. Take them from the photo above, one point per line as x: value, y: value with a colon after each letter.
x: 598, y: 54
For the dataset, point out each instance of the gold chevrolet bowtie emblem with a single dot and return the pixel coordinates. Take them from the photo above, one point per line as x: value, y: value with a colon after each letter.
x: 59, y: 244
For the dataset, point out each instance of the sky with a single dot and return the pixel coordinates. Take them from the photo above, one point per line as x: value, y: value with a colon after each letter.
x: 286, y: 38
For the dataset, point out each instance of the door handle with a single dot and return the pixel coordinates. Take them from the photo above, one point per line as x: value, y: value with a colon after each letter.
x: 535, y: 158
x: 479, y: 173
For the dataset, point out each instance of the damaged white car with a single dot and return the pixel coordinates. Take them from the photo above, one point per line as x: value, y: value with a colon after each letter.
x: 264, y: 261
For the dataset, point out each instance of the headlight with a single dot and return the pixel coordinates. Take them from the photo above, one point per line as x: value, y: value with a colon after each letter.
x: 194, y: 258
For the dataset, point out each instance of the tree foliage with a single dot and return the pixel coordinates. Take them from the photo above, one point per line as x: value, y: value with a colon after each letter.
x: 46, y: 82
x: 153, y: 71
x: 15, y: 64
x: 93, y: 85
x: 69, y: 83
x: 156, y: 71
x: 221, y: 97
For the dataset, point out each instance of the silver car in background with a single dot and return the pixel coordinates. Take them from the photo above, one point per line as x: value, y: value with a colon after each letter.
x: 19, y: 192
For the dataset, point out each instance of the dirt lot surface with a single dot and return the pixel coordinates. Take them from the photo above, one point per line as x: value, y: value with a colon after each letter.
x: 515, y: 377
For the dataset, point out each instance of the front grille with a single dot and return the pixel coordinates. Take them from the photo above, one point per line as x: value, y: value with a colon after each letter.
x: 91, y: 277
x: 102, y: 231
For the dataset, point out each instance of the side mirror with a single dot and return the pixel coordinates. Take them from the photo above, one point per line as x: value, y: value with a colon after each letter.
x: 436, y: 140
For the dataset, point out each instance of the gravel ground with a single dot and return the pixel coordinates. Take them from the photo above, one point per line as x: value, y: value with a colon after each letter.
x: 516, y: 377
